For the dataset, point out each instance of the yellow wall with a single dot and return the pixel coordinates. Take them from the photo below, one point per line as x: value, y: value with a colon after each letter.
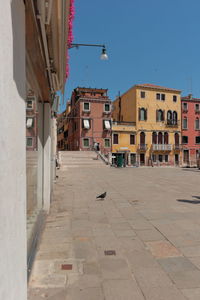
x: 131, y: 101
x: 124, y: 132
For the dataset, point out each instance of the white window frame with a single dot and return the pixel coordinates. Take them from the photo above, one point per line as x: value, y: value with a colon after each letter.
x: 30, y: 138
x: 185, y: 104
x: 86, y: 110
x: 185, y: 118
x: 195, y: 124
x: 29, y: 108
x: 197, y: 110
x: 105, y: 143
x: 107, y: 111
x: 88, y: 143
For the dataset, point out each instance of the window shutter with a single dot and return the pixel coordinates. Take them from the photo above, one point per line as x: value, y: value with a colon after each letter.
x: 156, y: 115
x: 139, y: 116
x: 163, y: 115
x: 145, y: 114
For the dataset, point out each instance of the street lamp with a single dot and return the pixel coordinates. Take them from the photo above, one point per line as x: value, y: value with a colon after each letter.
x: 103, y: 56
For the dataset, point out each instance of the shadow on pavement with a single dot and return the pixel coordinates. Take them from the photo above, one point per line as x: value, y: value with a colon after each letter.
x: 189, y: 201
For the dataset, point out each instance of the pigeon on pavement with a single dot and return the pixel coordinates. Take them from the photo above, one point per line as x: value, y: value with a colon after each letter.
x: 102, y: 196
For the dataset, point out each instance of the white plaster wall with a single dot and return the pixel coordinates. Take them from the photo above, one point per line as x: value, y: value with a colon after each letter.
x: 12, y: 151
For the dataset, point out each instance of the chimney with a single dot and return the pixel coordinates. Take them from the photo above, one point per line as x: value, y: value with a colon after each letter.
x: 190, y: 96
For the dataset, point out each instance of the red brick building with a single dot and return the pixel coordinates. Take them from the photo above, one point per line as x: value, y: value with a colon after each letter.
x: 190, y: 130
x: 89, y: 120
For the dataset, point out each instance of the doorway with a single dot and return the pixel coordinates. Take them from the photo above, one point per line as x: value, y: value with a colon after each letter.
x: 142, y: 159
x: 176, y: 159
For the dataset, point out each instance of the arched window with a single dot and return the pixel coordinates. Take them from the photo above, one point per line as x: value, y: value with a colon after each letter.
x: 176, y: 138
x: 160, y: 115
x: 166, y: 138
x: 175, y: 117
x: 154, y: 138
x: 160, y: 138
x: 142, y: 138
x: 142, y: 114
x: 197, y: 123
x: 169, y: 117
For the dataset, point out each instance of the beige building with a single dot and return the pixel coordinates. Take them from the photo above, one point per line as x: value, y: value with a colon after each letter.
x: 156, y: 113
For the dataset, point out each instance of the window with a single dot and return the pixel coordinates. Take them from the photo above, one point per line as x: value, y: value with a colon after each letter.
x: 154, y: 157
x: 175, y: 118
x: 142, y: 114
x: 185, y: 107
x: 197, y: 139
x: 163, y: 97
x: 142, y: 94
x: 154, y: 138
x: 29, y: 122
x: 166, y: 158
x: 29, y: 104
x: 169, y: 118
x: 159, y: 115
x: 132, y: 139
x: 86, y: 143
x: 158, y: 96
x: 160, y: 158
x: 107, y: 107
x: 174, y: 98
x: 166, y: 138
x: 142, y: 138
x: 160, y: 138
x: 176, y: 138
x: 197, y: 107
x: 29, y: 141
x: 197, y: 124
x: 185, y: 123
x: 107, y: 143
x: 106, y: 124
x: 184, y: 139
x: 86, y: 106
x: 86, y: 124
x: 115, y: 139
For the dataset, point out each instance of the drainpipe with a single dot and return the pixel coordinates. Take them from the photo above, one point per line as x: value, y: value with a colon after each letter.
x: 44, y: 39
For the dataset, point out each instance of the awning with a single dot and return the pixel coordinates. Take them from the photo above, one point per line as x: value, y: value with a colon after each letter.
x: 29, y: 122
x: 86, y: 124
x: 107, y: 124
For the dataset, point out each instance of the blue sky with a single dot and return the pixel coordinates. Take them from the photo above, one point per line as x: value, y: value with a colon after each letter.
x: 148, y: 41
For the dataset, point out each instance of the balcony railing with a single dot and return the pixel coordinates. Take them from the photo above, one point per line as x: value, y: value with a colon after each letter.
x: 177, y: 147
x: 124, y: 123
x: 172, y: 123
x: 142, y: 147
x: 161, y: 147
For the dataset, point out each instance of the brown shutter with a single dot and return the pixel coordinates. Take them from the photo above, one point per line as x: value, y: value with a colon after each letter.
x: 146, y: 114
x: 163, y: 115
x: 139, y: 117
x: 156, y: 115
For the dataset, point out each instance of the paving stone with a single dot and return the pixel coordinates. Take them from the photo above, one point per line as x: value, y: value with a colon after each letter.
x: 163, y: 249
x: 121, y: 226
x: 152, y: 277
x: 186, y: 279
x: 114, y: 268
x: 47, y: 293
x: 141, y: 258
x: 149, y: 235
x: 177, y: 264
x: 191, y: 250
x: 191, y: 294
x: 84, y: 294
x: 163, y: 293
x: 122, y: 290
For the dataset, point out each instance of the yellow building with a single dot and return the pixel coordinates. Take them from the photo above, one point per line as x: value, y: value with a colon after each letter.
x: 156, y: 113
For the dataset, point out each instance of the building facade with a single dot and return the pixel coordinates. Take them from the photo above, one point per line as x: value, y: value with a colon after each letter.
x: 89, y: 120
x: 33, y: 58
x: 190, y: 130
x: 156, y: 112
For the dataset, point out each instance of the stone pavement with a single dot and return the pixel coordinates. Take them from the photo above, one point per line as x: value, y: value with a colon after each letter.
x: 149, y: 224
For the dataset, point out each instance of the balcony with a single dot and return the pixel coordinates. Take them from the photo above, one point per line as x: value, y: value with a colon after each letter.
x: 177, y: 147
x: 172, y: 123
x: 161, y: 147
x: 142, y: 147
